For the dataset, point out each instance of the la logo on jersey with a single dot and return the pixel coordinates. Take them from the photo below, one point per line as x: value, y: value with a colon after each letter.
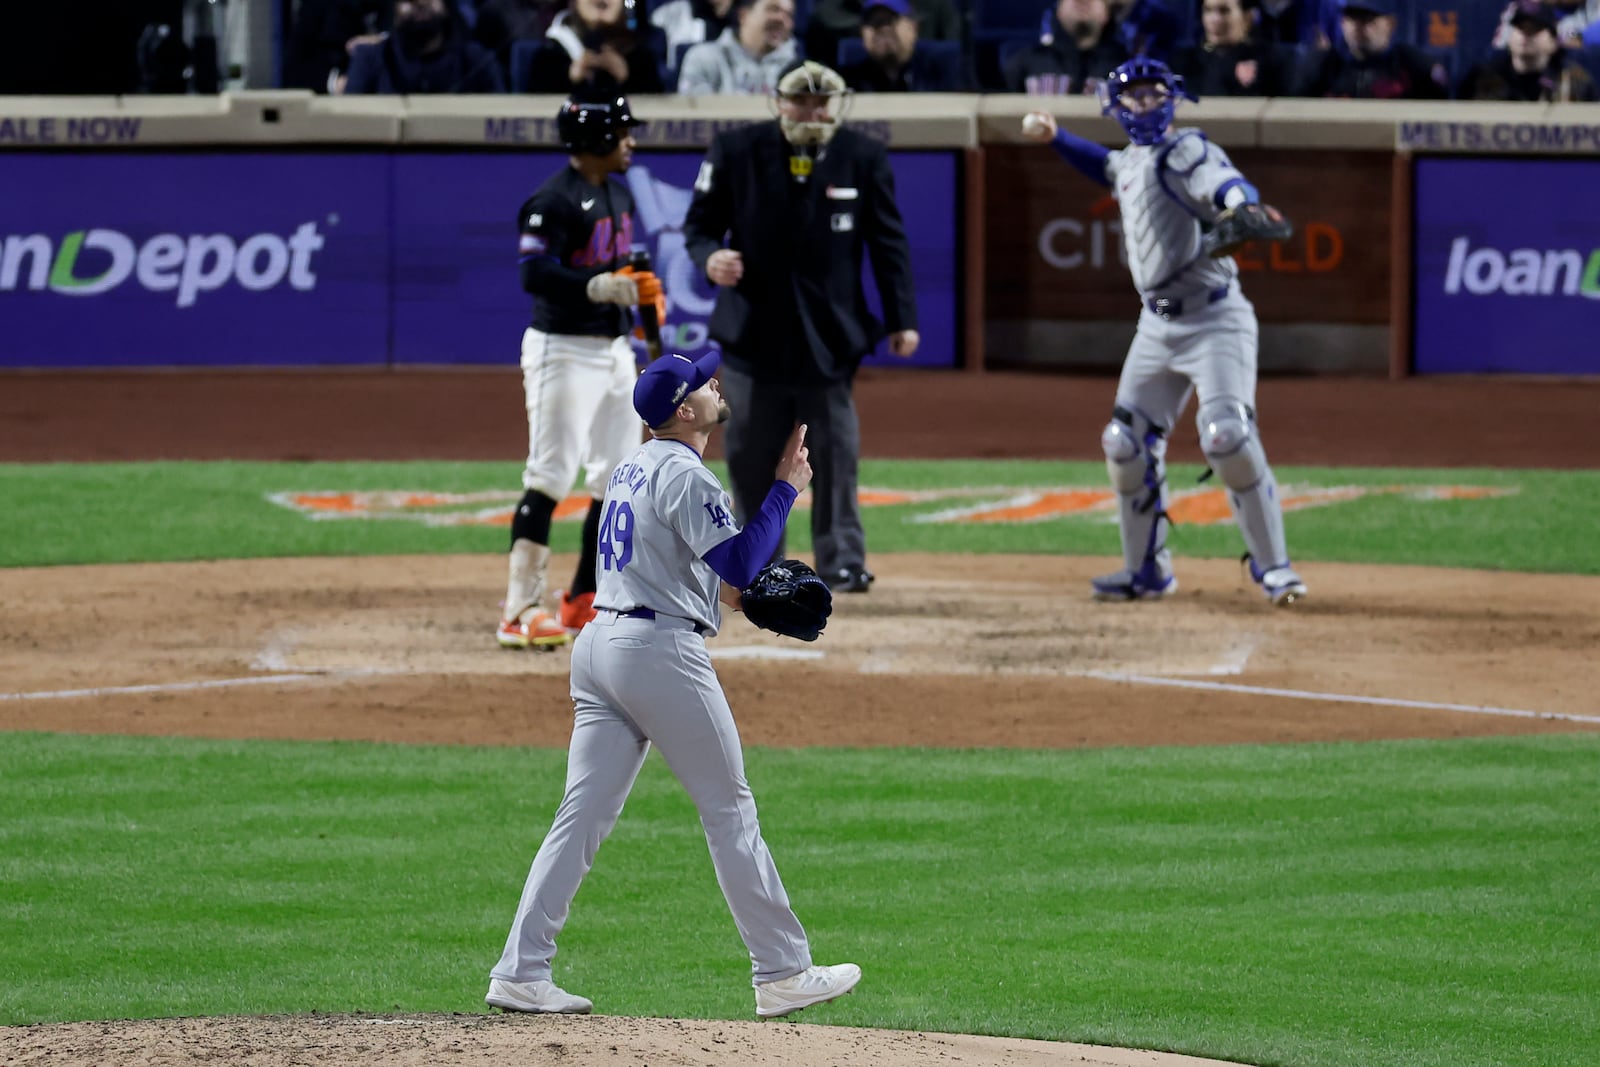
x: 719, y: 514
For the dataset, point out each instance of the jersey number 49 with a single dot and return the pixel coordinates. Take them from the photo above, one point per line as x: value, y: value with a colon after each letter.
x: 616, y: 535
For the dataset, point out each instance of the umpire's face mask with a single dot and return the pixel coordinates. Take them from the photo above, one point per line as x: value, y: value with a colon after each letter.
x: 811, y: 102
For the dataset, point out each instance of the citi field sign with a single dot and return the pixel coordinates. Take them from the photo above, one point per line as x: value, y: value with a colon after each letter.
x: 1095, y: 243
x: 91, y: 262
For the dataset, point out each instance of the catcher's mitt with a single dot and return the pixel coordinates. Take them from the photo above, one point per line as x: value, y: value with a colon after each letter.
x: 1247, y: 222
x: 789, y: 598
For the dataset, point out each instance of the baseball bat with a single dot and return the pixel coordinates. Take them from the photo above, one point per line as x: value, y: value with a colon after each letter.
x: 647, y: 310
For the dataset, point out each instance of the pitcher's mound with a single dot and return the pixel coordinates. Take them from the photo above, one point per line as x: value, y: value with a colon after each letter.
x: 571, y: 1041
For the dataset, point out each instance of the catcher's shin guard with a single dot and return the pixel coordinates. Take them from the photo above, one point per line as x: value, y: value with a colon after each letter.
x: 1136, y: 450
x: 1233, y: 448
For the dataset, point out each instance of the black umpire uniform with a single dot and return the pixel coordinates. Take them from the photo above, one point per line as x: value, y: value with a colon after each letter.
x: 796, y: 326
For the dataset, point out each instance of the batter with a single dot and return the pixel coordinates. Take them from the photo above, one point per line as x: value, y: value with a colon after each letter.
x: 575, y: 238
x: 669, y: 549
x: 1196, y: 333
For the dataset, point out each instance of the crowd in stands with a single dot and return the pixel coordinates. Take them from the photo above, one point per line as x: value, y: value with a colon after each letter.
x: 1533, y: 50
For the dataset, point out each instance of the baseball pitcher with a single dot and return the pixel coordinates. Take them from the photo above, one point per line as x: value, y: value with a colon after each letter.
x: 670, y: 549
x: 1185, y: 208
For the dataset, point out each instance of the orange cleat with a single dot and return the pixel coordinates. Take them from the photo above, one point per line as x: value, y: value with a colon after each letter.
x: 576, y: 611
x: 534, y: 628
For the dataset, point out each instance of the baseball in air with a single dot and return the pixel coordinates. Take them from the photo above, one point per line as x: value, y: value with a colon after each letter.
x: 1034, y: 124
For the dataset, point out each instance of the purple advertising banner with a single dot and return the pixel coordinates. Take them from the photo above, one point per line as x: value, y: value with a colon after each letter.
x: 193, y: 260
x: 458, y: 298
x: 1507, y: 266
x: 309, y: 258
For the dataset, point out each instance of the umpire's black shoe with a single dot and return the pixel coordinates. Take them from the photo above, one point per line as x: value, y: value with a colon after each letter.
x: 851, y: 580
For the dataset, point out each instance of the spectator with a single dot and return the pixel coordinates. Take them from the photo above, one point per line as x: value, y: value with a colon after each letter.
x: 832, y: 21
x: 1533, y: 66
x: 747, y: 57
x: 501, y: 23
x: 1372, y: 65
x: 325, y: 35
x: 1573, y: 18
x: 1073, y: 54
x: 1230, y: 61
x: 896, y: 61
x: 426, y: 52
x: 1146, y: 27
x: 1309, y: 23
x: 598, y: 43
x: 689, y: 22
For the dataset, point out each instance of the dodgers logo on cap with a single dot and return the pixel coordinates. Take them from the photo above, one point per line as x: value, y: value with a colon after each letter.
x: 666, y: 383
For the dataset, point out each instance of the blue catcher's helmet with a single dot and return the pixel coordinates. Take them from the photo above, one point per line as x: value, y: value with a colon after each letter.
x: 1144, y: 127
x: 594, y: 121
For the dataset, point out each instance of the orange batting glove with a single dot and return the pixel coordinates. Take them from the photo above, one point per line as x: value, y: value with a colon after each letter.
x: 651, y: 291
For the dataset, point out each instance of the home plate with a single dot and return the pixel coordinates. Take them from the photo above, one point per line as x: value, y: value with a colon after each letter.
x: 760, y: 652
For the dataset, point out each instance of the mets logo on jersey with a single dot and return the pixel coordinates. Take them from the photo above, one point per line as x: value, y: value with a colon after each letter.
x: 609, y: 241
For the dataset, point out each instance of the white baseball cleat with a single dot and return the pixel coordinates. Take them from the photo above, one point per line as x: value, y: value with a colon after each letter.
x: 1283, y: 586
x: 539, y: 996
x: 814, y: 985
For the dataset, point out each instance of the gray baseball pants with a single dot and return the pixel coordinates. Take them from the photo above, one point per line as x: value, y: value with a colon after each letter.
x: 638, y: 682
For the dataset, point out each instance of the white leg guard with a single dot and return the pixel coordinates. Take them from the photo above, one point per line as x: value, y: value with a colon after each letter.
x: 525, y: 584
x: 1136, y: 451
x: 1233, y: 448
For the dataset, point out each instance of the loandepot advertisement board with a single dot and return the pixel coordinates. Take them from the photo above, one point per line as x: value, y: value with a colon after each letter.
x: 1507, y: 266
x: 193, y: 260
x: 312, y: 258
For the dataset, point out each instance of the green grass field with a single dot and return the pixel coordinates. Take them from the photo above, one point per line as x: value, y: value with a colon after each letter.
x: 1405, y: 904
x: 1400, y: 903
x: 105, y: 513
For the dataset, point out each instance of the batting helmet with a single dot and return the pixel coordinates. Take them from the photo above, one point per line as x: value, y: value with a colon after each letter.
x: 594, y: 123
x: 1144, y: 127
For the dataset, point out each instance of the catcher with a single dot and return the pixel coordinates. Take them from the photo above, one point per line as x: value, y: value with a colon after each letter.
x: 1185, y: 209
x: 669, y: 550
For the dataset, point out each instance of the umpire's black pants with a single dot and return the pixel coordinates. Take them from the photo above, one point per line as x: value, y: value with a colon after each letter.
x: 763, y: 416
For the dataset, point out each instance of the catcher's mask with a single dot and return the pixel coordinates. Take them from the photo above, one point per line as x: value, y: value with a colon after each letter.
x: 821, y: 93
x: 1142, y: 95
x: 594, y: 123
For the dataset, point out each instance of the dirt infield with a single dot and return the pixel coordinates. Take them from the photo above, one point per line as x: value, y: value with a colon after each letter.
x: 971, y: 651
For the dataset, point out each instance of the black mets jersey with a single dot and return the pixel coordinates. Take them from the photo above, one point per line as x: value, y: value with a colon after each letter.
x: 571, y: 231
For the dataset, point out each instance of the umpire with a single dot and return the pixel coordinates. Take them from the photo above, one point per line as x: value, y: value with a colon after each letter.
x: 798, y: 201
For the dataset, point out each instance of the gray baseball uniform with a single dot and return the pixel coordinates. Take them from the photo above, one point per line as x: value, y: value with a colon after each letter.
x: 640, y: 676
x: 1196, y: 331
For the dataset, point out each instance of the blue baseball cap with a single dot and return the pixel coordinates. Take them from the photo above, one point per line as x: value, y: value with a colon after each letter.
x: 1373, y: 7
x: 662, y: 387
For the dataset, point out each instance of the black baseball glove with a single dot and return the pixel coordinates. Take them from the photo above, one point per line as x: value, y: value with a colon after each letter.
x: 1247, y: 222
x: 788, y: 598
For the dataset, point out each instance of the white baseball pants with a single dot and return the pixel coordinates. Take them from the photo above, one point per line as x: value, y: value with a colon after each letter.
x: 579, y: 396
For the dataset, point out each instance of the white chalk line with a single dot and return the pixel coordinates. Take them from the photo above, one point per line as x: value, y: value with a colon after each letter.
x: 184, y: 687
x: 1333, y: 698
x: 1105, y: 676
